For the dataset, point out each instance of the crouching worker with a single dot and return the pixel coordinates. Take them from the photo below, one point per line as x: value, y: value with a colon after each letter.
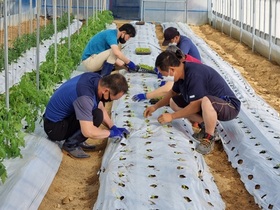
x: 76, y: 110
x: 102, y: 51
x: 199, y: 94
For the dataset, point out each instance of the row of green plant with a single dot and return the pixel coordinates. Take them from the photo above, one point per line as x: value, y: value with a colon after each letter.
x: 27, y: 103
x: 23, y: 43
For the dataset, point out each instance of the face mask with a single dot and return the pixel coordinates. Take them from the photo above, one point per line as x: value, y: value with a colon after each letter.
x: 173, y: 43
x: 105, y: 100
x: 122, y: 40
x: 169, y: 78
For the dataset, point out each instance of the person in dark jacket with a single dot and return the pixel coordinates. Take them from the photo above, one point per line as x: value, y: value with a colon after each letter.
x: 199, y: 94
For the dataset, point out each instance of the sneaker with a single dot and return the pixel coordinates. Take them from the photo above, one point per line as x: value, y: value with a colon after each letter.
x: 76, y: 152
x: 206, y: 145
x: 199, y: 136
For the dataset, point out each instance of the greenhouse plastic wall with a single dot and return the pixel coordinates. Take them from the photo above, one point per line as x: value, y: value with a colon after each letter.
x: 255, y: 23
x: 192, y: 12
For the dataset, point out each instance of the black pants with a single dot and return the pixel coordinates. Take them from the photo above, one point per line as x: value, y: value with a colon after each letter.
x: 67, y: 128
x: 58, y: 131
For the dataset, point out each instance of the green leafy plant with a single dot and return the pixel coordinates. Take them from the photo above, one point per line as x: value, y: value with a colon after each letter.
x: 26, y: 102
x: 142, y: 51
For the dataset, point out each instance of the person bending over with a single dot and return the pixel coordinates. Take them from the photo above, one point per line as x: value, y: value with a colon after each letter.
x: 76, y: 110
x: 168, y: 81
x: 199, y: 94
x: 102, y: 51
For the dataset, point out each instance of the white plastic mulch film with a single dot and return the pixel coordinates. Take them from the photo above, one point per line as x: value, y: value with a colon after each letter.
x: 156, y: 167
x: 30, y: 177
x: 252, y: 140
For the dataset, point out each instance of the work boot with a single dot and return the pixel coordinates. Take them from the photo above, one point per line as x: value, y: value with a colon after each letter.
x: 206, y: 145
x: 86, y: 147
x: 106, y: 69
x: 74, y: 152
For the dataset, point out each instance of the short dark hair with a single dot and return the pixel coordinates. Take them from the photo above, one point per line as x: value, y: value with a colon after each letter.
x: 178, y: 52
x: 166, y: 59
x: 115, y: 82
x: 129, y: 29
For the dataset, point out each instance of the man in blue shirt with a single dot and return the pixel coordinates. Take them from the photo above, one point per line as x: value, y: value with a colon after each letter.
x: 76, y: 110
x: 199, y: 94
x: 172, y: 36
x: 102, y: 51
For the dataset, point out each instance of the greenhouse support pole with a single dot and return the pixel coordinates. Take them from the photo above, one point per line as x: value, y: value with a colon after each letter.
x: 87, y: 14
x: 19, y: 17
x: 223, y: 16
x: 55, y: 30
x: 254, y: 27
x: 241, y: 20
x: 38, y: 3
x: 6, y: 56
x: 45, y: 11
x: 275, y: 28
x: 31, y: 16
x: 230, y: 17
x: 270, y: 29
x: 186, y: 11
x: 68, y: 31
x: 78, y: 15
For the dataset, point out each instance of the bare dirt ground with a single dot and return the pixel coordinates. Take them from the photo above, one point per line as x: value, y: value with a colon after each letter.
x: 76, y: 183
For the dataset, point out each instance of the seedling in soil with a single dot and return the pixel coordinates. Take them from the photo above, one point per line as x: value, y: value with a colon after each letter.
x: 120, y: 174
x: 149, y: 157
x: 154, y: 197
x: 143, y: 51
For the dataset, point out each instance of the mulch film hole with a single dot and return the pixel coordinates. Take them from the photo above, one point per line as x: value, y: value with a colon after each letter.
x: 250, y: 177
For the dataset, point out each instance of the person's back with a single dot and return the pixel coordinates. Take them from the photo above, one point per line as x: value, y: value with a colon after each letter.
x: 188, y: 47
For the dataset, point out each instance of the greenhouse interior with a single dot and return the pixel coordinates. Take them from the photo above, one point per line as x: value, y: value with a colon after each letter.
x: 155, y: 166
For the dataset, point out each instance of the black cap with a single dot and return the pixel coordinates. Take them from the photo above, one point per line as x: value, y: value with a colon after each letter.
x: 169, y: 34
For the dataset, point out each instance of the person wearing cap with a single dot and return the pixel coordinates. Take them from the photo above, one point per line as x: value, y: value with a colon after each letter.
x: 199, y: 94
x: 102, y: 51
x: 76, y: 110
x: 172, y: 36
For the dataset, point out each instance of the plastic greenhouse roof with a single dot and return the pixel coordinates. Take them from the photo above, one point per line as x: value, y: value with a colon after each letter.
x: 157, y: 166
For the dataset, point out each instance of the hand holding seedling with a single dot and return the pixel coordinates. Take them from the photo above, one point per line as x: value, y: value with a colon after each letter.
x: 165, y: 118
x: 149, y: 110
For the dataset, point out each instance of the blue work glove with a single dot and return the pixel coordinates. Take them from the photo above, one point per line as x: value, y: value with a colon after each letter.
x: 131, y: 66
x: 162, y: 83
x: 159, y: 75
x: 139, y: 97
x: 115, y: 133
x: 124, y: 131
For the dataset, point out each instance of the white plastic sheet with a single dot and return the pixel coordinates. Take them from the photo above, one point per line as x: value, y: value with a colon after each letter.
x: 156, y: 167
x: 252, y: 140
x: 29, y: 177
